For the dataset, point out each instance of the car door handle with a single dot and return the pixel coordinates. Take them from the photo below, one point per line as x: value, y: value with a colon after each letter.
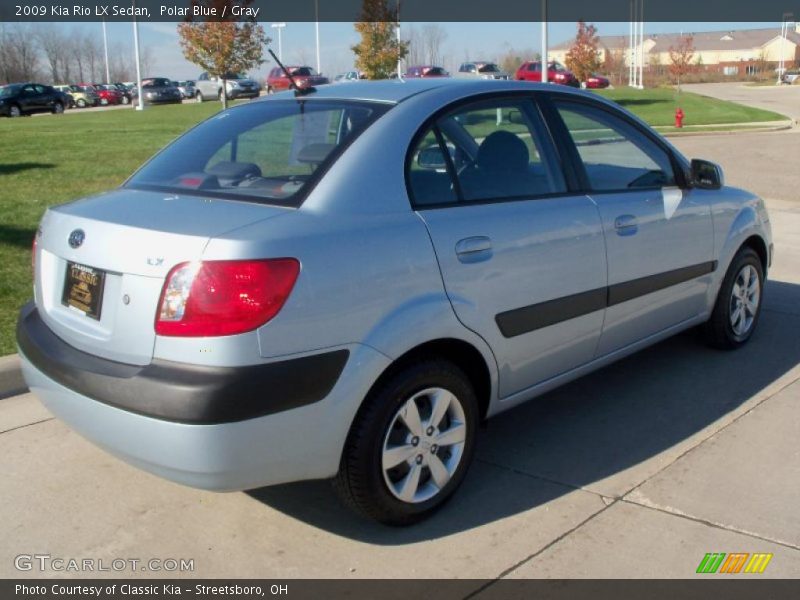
x: 626, y: 225
x: 474, y: 249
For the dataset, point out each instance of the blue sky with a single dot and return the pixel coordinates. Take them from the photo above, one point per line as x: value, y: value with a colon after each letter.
x: 464, y: 40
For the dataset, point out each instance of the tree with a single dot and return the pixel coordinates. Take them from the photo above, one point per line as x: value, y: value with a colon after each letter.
x: 582, y: 58
x: 52, y: 43
x: 680, y: 58
x: 223, y: 47
x: 378, y: 51
x: 433, y: 36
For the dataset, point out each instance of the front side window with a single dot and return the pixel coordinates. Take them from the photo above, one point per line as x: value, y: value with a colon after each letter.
x: 615, y: 154
x: 491, y: 150
x: 267, y: 151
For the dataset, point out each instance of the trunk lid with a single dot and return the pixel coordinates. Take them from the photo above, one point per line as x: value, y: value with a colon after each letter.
x: 130, y: 240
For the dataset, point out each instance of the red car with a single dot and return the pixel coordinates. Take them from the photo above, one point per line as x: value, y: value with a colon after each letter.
x: 556, y: 72
x: 304, y: 77
x: 107, y: 96
x: 425, y: 71
x: 597, y: 82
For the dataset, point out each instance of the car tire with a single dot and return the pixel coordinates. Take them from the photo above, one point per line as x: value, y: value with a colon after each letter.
x: 738, y: 304
x: 14, y: 111
x: 198, y: 96
x: 126, y: 100
x: 407, y: 491
x: 103, y: 102
x: 58, y: 108
x: 270, y: 90
x: 81, y: 103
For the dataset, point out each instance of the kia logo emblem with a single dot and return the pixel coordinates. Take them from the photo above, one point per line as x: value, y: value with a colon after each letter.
x: 76, y: 238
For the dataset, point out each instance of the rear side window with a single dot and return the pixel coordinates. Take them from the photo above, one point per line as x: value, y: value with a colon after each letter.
x: 268, y: 151
x: 615, y: 154
x: 486, y: 151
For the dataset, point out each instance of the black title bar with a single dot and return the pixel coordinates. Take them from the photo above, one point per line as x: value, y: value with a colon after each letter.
x: 264, y: 11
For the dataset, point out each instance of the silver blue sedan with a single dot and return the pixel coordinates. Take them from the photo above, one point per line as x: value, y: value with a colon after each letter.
x: 343, y: 283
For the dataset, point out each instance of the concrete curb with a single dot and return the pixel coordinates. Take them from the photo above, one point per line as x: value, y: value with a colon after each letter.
x: 784, y: 126
x: 11, y: 381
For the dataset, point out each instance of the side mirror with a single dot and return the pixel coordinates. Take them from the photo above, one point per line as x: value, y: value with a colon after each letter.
x: 707, y: 175
x: 432, y: 158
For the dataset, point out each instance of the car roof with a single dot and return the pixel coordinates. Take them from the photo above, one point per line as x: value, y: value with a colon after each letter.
x: 394, y: 91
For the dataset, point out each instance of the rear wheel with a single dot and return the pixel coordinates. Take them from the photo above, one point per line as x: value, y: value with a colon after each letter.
x: 126, y: 100
x: 81, y: 103
x: 14, y: 111
x: 198, y: 96
x: 738, y: 305
x: 58, y: 108
x: 411, y: 444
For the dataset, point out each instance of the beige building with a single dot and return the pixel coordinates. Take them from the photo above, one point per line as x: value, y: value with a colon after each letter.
x: 737, y: 52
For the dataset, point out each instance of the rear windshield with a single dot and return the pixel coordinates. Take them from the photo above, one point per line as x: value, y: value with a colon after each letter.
x: 264, y: 151
x: 157, y: 82
x: 490, y: 68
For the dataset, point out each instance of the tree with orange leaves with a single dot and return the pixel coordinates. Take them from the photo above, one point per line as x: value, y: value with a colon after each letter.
x: 583, y: 58
x: 220, y: 47
x: 378, y: 51
x: 680, y: 58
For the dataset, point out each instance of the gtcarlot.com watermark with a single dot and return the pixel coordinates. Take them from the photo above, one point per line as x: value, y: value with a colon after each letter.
x: 46, y: 563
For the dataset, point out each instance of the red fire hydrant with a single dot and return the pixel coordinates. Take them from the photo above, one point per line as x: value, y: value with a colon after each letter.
x: 678, y: 118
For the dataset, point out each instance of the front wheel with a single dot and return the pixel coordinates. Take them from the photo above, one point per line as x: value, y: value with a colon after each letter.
x: 411, y: 444
x: 198, y: 96
x: 738, y: 304
x: 58, y: 108
x: 81, y: 103
x: 14, y: 111
x: 126, y: 100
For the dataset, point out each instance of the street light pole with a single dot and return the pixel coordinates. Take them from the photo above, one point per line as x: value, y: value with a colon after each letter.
x: 399, y: 61
x: 545, y: 62
x: 279, y: 27
x: 105, y: 50
x: 630, y: 48
x: 140, y: 95
x: 641, y: 47
x: 316, y: 31
x: 784, y: 33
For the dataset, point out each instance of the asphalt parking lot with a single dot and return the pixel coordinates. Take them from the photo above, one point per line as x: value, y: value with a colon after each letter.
x: 637, y: 470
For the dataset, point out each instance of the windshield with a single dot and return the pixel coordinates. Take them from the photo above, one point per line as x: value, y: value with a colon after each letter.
x: 9, y: 90
x: 157, y: 82
x: 490, y: 68
x: 303, y: 71
x: 267, y: 151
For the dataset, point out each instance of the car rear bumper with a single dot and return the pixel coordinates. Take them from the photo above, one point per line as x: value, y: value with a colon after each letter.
x: 293, y: 444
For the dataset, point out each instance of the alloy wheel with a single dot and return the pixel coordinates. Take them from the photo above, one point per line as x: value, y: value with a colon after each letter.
x: 745, y: 296
x: 424, y: 445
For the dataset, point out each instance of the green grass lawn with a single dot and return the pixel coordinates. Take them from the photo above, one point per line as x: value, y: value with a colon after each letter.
x: 657, y: 107
x: 50, y: 160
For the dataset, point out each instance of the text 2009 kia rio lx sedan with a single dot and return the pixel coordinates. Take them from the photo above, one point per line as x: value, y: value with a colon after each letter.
x: 343, y: 284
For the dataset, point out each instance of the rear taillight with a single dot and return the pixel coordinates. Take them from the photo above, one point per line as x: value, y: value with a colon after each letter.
x: 226, y: 297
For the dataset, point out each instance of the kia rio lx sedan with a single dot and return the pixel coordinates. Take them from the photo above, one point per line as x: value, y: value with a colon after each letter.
x: 344, y: 283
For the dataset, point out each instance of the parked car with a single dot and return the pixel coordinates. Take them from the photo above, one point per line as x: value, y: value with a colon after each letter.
x: 790, y: 76
x: 64, y: 89
x: 18, y: 99
x: 403, y: 266
x: 596, y: 82
x: 304, y: 77
x: 82, y: 96
x: 208, y: 87
x: 186, y: 88
x: 481, y: 70
x: 160, y: 90
x: 107, y: 95
x: 349, y: 76
x: 556, y: 73
x: 127, y: 94
x: 425, y: 71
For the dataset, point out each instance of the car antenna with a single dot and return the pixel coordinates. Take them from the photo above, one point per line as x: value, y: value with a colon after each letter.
x: 297, y: 91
